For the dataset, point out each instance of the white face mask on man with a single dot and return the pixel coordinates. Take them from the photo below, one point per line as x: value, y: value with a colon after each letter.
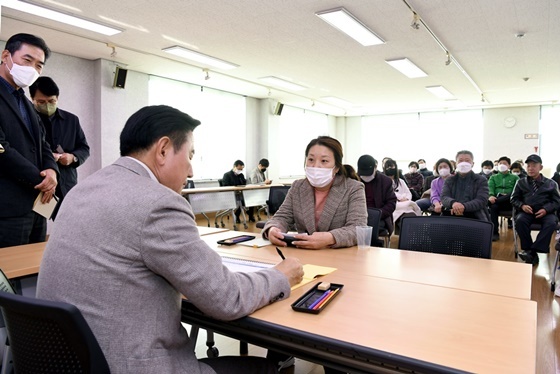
x: 319, y: 177
x: 23, y: 75
x: 464, y: 167
x: 502, y: 168
x: 368, y: 178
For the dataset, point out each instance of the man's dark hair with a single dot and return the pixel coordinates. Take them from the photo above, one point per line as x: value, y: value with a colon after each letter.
x: 264, y: 162
x: 238, y: 163
x: 465, y: 152
x: 151, y: 123
x: 505, y: 158
x: 45, y: 85
x: 15, y: 42
x: 487, y: 163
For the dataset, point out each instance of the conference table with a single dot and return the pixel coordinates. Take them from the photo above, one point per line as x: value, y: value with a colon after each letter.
x: 220, y: 199
x: 398, y: 311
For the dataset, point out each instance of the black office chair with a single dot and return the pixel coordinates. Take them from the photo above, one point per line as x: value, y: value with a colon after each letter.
x: 276, y: 197
x: 447, y: 235
x: 537, y: 227
x: 7, y: 364
x: 373, y: 220
x: 50, y: 337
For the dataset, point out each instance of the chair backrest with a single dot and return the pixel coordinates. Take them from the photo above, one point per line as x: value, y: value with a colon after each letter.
x: 276, y: 197
x: 50, y: 337
x: 373, y: 220
x: 447, y: 235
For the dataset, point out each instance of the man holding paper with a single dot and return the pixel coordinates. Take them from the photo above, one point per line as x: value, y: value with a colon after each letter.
x: 27, y: 166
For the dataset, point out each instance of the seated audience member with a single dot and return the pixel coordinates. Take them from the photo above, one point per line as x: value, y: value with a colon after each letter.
x: 257, y: 175
x: 537, y: 200
x: 415, y: 180
x: 444, y: 170
x: 351, y: 172
x: 379, y: 191
x: 235, y: 177
x: 500, y: 187
x: 325, y: 208
x: 405, y: 206
x: 556, y: 176
x: 517, y: 169
x: 127, y: 247
x: 465, y: 194
x: 487, y: 168
x: 423, y: 169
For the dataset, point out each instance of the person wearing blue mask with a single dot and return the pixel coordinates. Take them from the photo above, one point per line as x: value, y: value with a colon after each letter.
x: 465, y: 194
x: 27, y: 166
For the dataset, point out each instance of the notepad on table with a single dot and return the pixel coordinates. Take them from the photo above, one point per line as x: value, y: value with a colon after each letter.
x: 312, y: 272
x: 255, y: 243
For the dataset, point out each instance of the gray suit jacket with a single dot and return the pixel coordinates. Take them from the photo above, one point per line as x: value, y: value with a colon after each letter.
x: 344, y: 209
x: 123, y: 249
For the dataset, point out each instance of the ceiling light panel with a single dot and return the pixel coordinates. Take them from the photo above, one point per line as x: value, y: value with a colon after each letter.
x: 344, y: 21
x: 279, y: 82
x: 336, y: 101
x: 405, y: 66
x: 441, y: 92
x: 60, y: 17
x: 200, y: 58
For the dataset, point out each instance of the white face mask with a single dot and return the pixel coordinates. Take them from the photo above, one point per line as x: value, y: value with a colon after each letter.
x: 368, y: 178
x: 502, y: 168
x: 464, y: 167
x: 486, y: 171
x: 23, y: 75
x: 412, y: 170
x: 422, y: 166
x: 237, y: 171
x: 516, y: 173
x: 443, y: 172
x: 319, y: 177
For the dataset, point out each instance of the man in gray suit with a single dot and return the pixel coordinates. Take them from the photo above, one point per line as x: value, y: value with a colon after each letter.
x: 125, y: 247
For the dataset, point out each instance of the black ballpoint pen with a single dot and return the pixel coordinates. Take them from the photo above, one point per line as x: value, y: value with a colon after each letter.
x: 280, y: 253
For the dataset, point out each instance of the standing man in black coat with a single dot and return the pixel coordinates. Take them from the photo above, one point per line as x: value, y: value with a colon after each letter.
x: 235, y: 177
x: 27, y: 165
x: 63, y: 132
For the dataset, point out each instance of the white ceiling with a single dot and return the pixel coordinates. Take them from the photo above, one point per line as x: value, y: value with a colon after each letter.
x: 285, y: 38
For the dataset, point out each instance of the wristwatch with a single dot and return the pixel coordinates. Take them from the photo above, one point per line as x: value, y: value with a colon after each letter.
x: 75, y: 159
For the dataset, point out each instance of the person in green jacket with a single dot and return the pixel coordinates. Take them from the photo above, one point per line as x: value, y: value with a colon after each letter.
x: 500, y: 187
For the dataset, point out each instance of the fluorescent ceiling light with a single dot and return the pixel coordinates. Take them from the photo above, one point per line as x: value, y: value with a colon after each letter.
x: 405, y: 66
x: 60, y: 17
x: 283, y: 83
x: 350, y: 25
x: 336, y: 101
x: 441, y: 92
x: 199, y: 57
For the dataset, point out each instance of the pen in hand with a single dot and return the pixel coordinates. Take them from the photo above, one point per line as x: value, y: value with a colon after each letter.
x: 280, y: 253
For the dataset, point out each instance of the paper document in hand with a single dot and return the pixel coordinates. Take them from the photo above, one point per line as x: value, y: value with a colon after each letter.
x: 46, y: 210
x: 312, y: 272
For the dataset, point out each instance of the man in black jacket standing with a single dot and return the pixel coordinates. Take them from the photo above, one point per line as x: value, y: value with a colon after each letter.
x: 27, y: 166
x: 235, y: 177
x: 537, y: 200
x: 63, y: 132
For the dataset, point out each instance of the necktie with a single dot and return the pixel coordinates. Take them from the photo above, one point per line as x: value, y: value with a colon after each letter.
x: 23, y: 109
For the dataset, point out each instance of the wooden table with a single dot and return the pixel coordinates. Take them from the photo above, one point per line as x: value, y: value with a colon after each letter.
x: 511, y: 279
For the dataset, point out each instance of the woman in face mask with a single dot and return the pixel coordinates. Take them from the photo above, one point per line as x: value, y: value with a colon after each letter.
x: 444, y: 170
x: 325, y: 207
x: 415, y: 180
x: 405, y: 205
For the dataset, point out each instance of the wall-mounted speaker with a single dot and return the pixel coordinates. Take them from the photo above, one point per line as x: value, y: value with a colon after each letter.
x: 120, y: 77
x: 278, y: 109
